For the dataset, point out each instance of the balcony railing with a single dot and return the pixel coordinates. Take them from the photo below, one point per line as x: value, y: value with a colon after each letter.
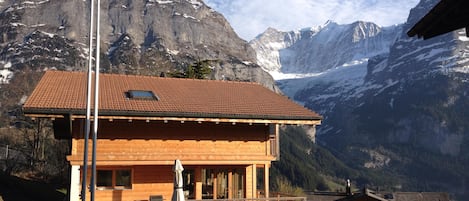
x: 274, y: 196
x: 257, y: 199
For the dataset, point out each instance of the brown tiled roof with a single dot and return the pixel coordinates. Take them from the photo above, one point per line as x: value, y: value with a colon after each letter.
x: 61, y: 92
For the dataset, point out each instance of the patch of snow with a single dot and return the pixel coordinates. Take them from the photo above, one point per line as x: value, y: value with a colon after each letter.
x: 57, y: 59
x: 41, y: 2
x: 7, y: 65
x: 188, y: 16
x: 247, y: 63
x: 445, y: 61
x: 391, y: 67
x: 6, y: 74
x: 83, y: 56
x: 86, y: 50
x: 389, y: 83
x: 32, y: 2
x: 313, y: 29
x: 195, y: 4
x: 173, y: 52
x: 348, y: 78
x: 15, y: 24
x: 431, y: 53
x: 463, y: 69
x: 37, y: 25
x: 51, y: 68
x: 10, y: 9
x: 276, y: 45
x: 380, y: 67
x: 161, y: 1
x: 51, y: 35
x: 463, y: 61
x: 326, y: 128
x: 277, y: 75
x: 463, y: 38
x: 421, y: 49
x: 23, y: 100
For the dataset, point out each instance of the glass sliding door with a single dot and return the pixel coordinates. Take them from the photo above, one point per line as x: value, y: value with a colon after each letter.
x: 218, y: 183
x: 189, y: 183
x: 207, y: 183
x: 238, y: 183
x: 260, y: 188
x: 222, y: 184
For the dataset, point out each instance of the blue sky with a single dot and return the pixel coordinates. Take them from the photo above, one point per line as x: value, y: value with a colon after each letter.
x: 252, y: 17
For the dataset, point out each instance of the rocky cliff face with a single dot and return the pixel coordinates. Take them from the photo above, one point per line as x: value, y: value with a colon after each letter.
x: 137, y: 37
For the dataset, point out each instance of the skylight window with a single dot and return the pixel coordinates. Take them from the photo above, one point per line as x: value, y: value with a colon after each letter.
x: 141, y: 94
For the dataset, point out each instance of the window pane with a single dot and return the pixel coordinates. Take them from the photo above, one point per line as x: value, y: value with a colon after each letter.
x: 139, y: 94
x: 207, y: 184
x: 222, y: 184
x: 123, y: 178
x: 189, y: 183
x: 238, y: 183
x: 104, y: 178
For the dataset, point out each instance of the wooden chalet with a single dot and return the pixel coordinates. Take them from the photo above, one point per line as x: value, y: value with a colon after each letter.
x: 225, y: 133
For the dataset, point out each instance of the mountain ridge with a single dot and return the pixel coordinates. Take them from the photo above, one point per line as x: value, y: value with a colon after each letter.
x: 303, y: 51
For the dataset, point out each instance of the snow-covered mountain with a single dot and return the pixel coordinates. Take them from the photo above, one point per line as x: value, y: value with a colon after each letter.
x: 392, y: 104
x: 317, y: 49
x: 333, y: 55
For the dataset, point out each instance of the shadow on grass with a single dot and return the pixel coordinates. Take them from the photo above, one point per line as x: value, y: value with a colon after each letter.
x: 17, y: 189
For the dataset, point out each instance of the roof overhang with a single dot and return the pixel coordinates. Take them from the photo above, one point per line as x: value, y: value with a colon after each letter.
x: 181, y: 117
x: 446, y: 16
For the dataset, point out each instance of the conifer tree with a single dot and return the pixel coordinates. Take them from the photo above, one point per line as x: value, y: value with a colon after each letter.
x: 198, y: 70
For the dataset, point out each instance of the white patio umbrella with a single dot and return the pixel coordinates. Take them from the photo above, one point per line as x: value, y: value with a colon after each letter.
x: 178, y: 194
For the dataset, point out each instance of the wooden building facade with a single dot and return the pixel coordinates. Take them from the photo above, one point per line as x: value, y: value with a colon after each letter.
x: 224, y: 133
